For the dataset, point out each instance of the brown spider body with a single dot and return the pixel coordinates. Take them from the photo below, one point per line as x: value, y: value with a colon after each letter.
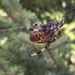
x: 39, y: 37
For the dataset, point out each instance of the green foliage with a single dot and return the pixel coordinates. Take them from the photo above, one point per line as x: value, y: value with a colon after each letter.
x: 49, y: 8
x: 15, y: 44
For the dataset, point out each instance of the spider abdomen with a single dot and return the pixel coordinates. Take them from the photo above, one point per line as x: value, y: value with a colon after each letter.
x: 39, y: 37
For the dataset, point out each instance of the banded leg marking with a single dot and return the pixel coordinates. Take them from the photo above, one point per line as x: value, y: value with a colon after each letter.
x: 42, y: 50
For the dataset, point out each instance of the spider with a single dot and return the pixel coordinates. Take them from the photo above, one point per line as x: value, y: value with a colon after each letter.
x: 46, y: 34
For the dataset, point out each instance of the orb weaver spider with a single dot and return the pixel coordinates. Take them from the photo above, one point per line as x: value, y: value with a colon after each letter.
x: 46, y: 34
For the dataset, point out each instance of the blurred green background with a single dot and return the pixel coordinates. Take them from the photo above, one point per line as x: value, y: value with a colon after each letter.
x: 15, y: 44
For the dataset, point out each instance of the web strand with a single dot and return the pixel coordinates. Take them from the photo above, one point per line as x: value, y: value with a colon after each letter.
x: 2, y: 30
x: 69, y: 10
x: 12, y: 28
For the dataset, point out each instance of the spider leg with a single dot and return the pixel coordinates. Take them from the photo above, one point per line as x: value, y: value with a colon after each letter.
x: 42, y: 50
x: 32, y: 29
x: 54, y: 37
x: 53, y: 40
x: 59, y: 33
x: 61, y: 21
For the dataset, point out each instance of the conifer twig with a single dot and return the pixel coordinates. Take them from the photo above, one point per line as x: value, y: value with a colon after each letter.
x: 11, y: 2
x: 3, y: 69
x: 3, y: 7
x: 6, y: 71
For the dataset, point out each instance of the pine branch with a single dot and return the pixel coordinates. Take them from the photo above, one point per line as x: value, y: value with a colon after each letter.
x: 11, y: 2
x: 2, y: 6
x: 6, y: 71
x: 9, y: 15
x: 45, y: 66
x: 54, y: 60
x: 59, y: 46
x: 13, y: 5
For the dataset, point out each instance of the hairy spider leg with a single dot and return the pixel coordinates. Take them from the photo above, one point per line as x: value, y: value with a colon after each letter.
x: 60, y: 24
x: 42, y: 50
x: 54, y: 35
x: 61, y: 21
